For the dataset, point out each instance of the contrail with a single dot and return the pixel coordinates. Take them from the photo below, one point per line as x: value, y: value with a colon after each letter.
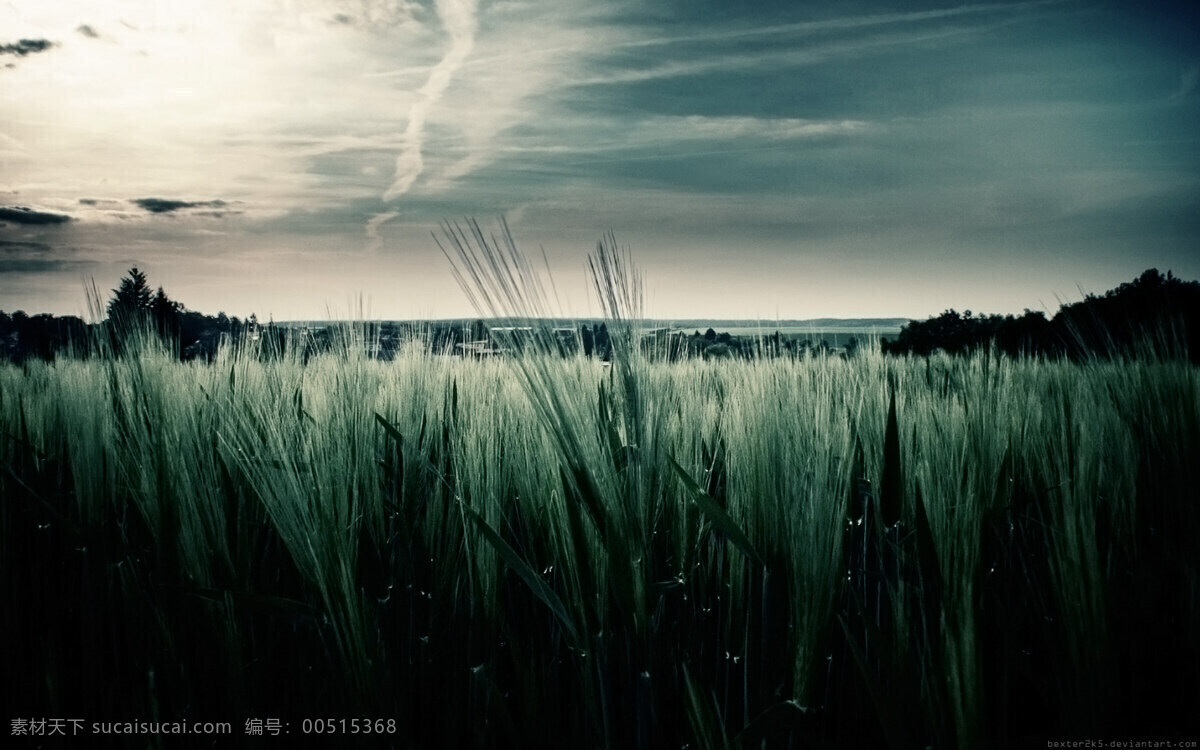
x: 373, y: 226
x: 459, y: 20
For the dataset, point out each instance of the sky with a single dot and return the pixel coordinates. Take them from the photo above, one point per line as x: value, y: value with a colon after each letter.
x: 760, y: 160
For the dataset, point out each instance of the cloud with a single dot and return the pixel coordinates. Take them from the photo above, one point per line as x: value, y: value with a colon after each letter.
x: 166, y: 206
x: 840, y: 24
x: 217, y: 214
x: 41, y: 265
x: 373, y: 15
x: 26, y: 47
x: 88, y: 31
x: 616, y: 139
x: 35, y: 257
x: 740, y: 127
x: 25, y: 215
x: 460, y: 23
x: 524, y: 57
x: 779, y: 57
x: 459, y: 20
x: 373, y: 226
x: 229, y: 102
x: 10, y: 249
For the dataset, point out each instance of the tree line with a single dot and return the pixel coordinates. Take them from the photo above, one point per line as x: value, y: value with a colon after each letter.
x: 132, y: 310
x: 1153, y: 314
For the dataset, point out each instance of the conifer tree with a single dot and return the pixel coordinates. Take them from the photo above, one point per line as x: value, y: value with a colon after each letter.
x: 131, y: 299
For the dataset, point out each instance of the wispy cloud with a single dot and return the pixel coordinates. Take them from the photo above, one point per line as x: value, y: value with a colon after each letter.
x: 458, y: 19
x: 777, y: 57
x: 41, y: 265
x: 12, y: 249
x: 841, y: 24
x: 375, y: 243
x: 524, y: 56
x: 37, y: 257
x: 773, y: 128
x: 673, y: 134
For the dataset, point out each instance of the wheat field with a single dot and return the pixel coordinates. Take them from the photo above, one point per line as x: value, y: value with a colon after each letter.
x: 543, y: 550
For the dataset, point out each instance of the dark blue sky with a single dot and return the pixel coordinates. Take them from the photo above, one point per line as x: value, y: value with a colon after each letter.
x: 763, y: 160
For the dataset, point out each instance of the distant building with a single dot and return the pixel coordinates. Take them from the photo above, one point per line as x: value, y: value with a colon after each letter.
x: 478, y: 349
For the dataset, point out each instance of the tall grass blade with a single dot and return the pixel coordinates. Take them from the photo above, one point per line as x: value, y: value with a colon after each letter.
x: 527, y: 574
x: 715, y: 514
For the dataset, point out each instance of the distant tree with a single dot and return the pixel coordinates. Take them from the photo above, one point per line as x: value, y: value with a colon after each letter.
x: 131, y: 299
x: 8, y: 336
x: 273, y: 338
x: 1152, y: 314
x: 166, y: 313
x: 603, y: 343
x: 191, y: 334
x: 478, y: 331
x: 717, y: 351
x: 951, y: 331
x: 43, y: 335
x: 710, y: 335
x: 1028, y: 334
